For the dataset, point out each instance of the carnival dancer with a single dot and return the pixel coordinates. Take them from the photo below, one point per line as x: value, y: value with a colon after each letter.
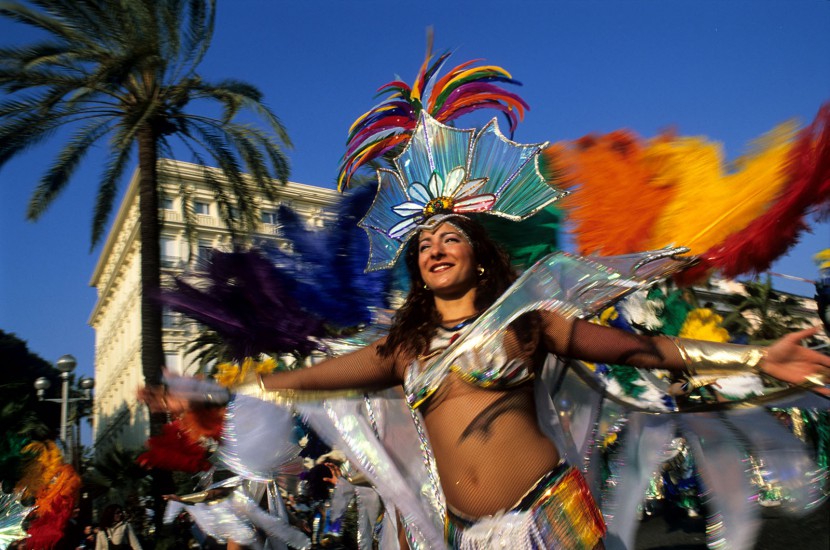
x: 471, y: 340
x: 476, y: 424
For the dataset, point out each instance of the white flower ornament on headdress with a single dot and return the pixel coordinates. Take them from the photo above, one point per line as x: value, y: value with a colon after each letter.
x: 466, y: 172
x: 441, y: 197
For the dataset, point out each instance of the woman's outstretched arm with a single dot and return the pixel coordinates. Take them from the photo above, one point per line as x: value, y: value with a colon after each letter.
x: 787, y: 360
x: 362, y: 369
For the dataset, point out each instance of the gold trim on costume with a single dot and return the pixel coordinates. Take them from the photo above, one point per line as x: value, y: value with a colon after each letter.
x: 287, y: 397
x: 709, y: 358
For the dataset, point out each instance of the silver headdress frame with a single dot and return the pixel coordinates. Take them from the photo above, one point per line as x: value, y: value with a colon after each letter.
x: 445, y: 170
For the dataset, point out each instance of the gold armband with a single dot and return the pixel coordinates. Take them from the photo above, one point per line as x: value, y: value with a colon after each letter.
x: 257, y: 389
x: 194, y: 498
x: 710, y: 358
x: 208, y: 496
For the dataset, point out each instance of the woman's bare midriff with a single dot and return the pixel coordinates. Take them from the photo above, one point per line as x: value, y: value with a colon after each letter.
x: 488, y: 447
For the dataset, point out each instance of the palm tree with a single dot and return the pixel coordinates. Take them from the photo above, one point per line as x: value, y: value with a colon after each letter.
x: 123, y: 72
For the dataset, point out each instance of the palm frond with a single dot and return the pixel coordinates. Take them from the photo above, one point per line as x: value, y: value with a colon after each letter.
x: 124, y: 69
x: 209, y: 349
x: 22, y: 133
x: 55, y: 180
x: 198, y: 32
x: 31, y: 55
x: 244, y: 95
x: 43, y: 20
x: 216, y: 144
x: 107, y: 191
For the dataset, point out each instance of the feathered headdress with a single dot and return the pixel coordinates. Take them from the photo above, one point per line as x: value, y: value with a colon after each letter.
x: 462, y: 90
x: 445, y: 171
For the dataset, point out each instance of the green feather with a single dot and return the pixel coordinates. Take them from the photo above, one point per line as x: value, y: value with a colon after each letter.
x: 527, y: 241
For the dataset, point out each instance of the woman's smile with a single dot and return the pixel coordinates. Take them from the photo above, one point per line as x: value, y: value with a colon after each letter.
x: 446, y: 261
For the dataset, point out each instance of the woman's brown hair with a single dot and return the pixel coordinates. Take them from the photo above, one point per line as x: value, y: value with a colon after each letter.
x: 416, y: 321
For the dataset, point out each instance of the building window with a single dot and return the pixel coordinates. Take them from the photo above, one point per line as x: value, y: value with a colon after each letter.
x: 173, y: 362
x: 169, y: 252
x: 269, y: 217
x: 202, y: 208
x: 204, y: 252
x: 166, y: 203
x: 169, y: 319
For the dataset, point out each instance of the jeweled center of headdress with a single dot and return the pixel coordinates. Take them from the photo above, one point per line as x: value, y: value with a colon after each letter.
x: 439, y: 205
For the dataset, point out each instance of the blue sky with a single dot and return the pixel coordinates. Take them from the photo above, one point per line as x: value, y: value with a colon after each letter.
x: 730, y: 70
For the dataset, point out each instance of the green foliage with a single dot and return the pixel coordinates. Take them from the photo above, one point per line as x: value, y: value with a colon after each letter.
x: 111, y: 69
x: 209, y: 349
x: 21, y: 414
x: 116, y: 477
x: 763, y: 313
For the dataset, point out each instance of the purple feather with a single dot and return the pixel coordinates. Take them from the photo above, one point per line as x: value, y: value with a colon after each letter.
x: 244, y: 298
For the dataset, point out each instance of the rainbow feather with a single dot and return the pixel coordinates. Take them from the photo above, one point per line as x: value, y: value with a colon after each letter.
x: 462, y: 90
x: 774, y: 231
x: 737, y: 217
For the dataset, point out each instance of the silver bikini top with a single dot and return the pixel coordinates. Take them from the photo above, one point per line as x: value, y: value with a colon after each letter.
x: 483, y: 368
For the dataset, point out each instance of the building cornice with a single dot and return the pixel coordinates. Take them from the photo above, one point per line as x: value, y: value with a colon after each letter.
x: 115, y: 230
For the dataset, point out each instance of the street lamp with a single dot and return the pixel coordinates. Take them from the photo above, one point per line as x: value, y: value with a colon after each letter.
x: 66, y: 364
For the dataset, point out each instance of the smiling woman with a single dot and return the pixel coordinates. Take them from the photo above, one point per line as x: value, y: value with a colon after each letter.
x: 494, y: 466
x: 497, y: 475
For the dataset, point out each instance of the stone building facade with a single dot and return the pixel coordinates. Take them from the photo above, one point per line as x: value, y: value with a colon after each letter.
x: 117, y: 416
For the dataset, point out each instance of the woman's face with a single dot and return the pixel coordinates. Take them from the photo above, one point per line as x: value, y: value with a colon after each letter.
x: 446, y: 260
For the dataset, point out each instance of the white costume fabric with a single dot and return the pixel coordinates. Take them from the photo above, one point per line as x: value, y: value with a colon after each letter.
x: 384, y: 438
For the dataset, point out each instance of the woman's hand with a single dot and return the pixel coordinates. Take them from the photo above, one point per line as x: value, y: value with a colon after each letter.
x: 181, y: 392
x: 159, y: 400
x: 789, y: 361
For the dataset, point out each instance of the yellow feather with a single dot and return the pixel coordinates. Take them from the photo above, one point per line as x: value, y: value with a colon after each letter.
x: 704, y: 324
x: 466, y: 73
x: 41, y: 469
x: 709, y: 204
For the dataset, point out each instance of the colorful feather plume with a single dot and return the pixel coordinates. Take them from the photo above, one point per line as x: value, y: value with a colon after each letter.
x: 704, y: 324
x: 673, y: 190
x: 273, y: 301
x: 776, y: 229
x: 175, y: 448
x: 326, y: 266
x: 464, y: 89
x: 613, y: 185
x: 247, y: 301
x: 231, y: 375
x: 54, y: 485
x: 12, y: 459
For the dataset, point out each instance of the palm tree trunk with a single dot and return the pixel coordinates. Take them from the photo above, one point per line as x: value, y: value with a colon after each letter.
x: 152, y: 352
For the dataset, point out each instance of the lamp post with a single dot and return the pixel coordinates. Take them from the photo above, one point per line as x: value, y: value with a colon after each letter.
x: 66, y: 364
